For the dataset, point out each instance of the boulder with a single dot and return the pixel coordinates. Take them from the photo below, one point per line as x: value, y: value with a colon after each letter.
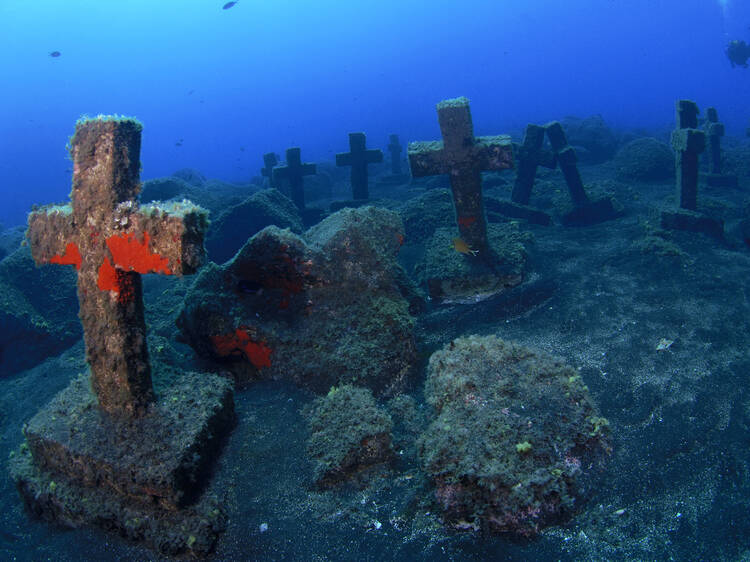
x: 322, y: 309
x: 514, y: 431
x: 645, y: 159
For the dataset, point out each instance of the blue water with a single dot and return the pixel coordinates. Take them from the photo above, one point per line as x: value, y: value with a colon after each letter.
x: 263, y: 76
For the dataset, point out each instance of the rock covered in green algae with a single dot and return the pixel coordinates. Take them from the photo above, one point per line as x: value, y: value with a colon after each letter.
x: 231, y: 228
x: 645, y: 159
x: 321, y: 310
x: 349, y: 433
x: 453, y: 276
x: 513, y: 429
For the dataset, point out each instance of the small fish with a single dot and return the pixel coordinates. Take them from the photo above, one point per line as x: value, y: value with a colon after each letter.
x: 55, y: 54
x: 460, y: 246
x: 228, y: 5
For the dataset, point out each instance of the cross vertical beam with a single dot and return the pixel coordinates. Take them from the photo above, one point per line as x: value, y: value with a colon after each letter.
x: 270, y: 160
x: 688, y: 142
x: 394, y: 147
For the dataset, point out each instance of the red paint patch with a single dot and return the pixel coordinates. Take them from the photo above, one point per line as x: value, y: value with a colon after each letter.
x: 466, y: 221
x: 107, y: 280
x: 240, y: 342
x: 71, y: 256
x: 131, y: 255
x: 116, y: 280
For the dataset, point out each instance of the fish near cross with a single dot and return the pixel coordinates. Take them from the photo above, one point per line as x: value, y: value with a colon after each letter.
x: 463, y: 157
x: 111, y: 241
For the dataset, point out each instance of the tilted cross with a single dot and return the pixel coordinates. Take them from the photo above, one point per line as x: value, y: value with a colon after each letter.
x: 112, y: 240
x: 463, y: 157
x: 294, y: 173
x: 358, y: 158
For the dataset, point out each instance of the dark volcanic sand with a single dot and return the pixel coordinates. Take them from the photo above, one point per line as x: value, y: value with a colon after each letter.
x: 676, y: 486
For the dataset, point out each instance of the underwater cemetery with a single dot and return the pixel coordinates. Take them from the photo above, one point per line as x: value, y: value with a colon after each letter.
x: 527, y: 346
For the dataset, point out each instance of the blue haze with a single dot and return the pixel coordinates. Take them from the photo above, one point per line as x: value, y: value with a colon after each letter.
x: 278, y: 73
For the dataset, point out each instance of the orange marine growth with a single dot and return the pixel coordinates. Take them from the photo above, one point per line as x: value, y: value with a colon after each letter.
x: 71, y: 256
x: 240, y: 342
x: 131, y: 255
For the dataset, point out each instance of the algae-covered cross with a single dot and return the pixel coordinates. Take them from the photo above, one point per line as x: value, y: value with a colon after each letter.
x: 111, y: 240
x: 463, y: 157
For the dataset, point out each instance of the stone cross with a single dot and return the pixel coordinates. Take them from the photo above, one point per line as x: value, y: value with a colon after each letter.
x: 530, y: 156
x: 463, y: 157
x: 270, y: 160
x: 358, y: 158
x: 688, y: 142
x: 294, y: 173
x: 714, y: 132
x: 111, y: 241
x: 394, y: 147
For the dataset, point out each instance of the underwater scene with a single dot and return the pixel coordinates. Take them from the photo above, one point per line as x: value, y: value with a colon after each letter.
x: 377, y: 280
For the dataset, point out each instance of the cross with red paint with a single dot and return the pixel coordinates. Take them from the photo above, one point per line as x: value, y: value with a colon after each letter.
x: 463, y: 157
x: 111, y: 241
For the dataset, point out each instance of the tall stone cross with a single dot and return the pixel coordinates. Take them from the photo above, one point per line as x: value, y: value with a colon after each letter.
x: 111, y: 241
x: 358, y: 158
x: 294, y: 173
x: 270, y: 160
x: 395, y: 148
x: 464, y: 158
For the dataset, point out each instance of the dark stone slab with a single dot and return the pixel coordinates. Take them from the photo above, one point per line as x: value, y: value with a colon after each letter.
x: 691, y: 221
x: 517, y: 211
x: 592, y: 212
x: 162, y: 458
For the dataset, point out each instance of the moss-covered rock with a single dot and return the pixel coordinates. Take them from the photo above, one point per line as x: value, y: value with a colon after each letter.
x: 349, y: 434
x: 232, y: 228
x: 645, y: 159
x: 320, y: 310
x: 453, y: 276
x: 512, y: 431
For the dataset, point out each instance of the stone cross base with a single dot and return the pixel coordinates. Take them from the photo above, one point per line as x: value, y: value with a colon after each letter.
x: 455, y: 278
x: 692, y: 221
x: 139, y: 476
x: 722, y: 180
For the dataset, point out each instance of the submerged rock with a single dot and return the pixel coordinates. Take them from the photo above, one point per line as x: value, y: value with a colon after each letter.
x: 321, y: 310
x: 231, y: 229
x: 593, y: 134
x: 645, y: 159
x: 349, y: 434
x: 513, y: 430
